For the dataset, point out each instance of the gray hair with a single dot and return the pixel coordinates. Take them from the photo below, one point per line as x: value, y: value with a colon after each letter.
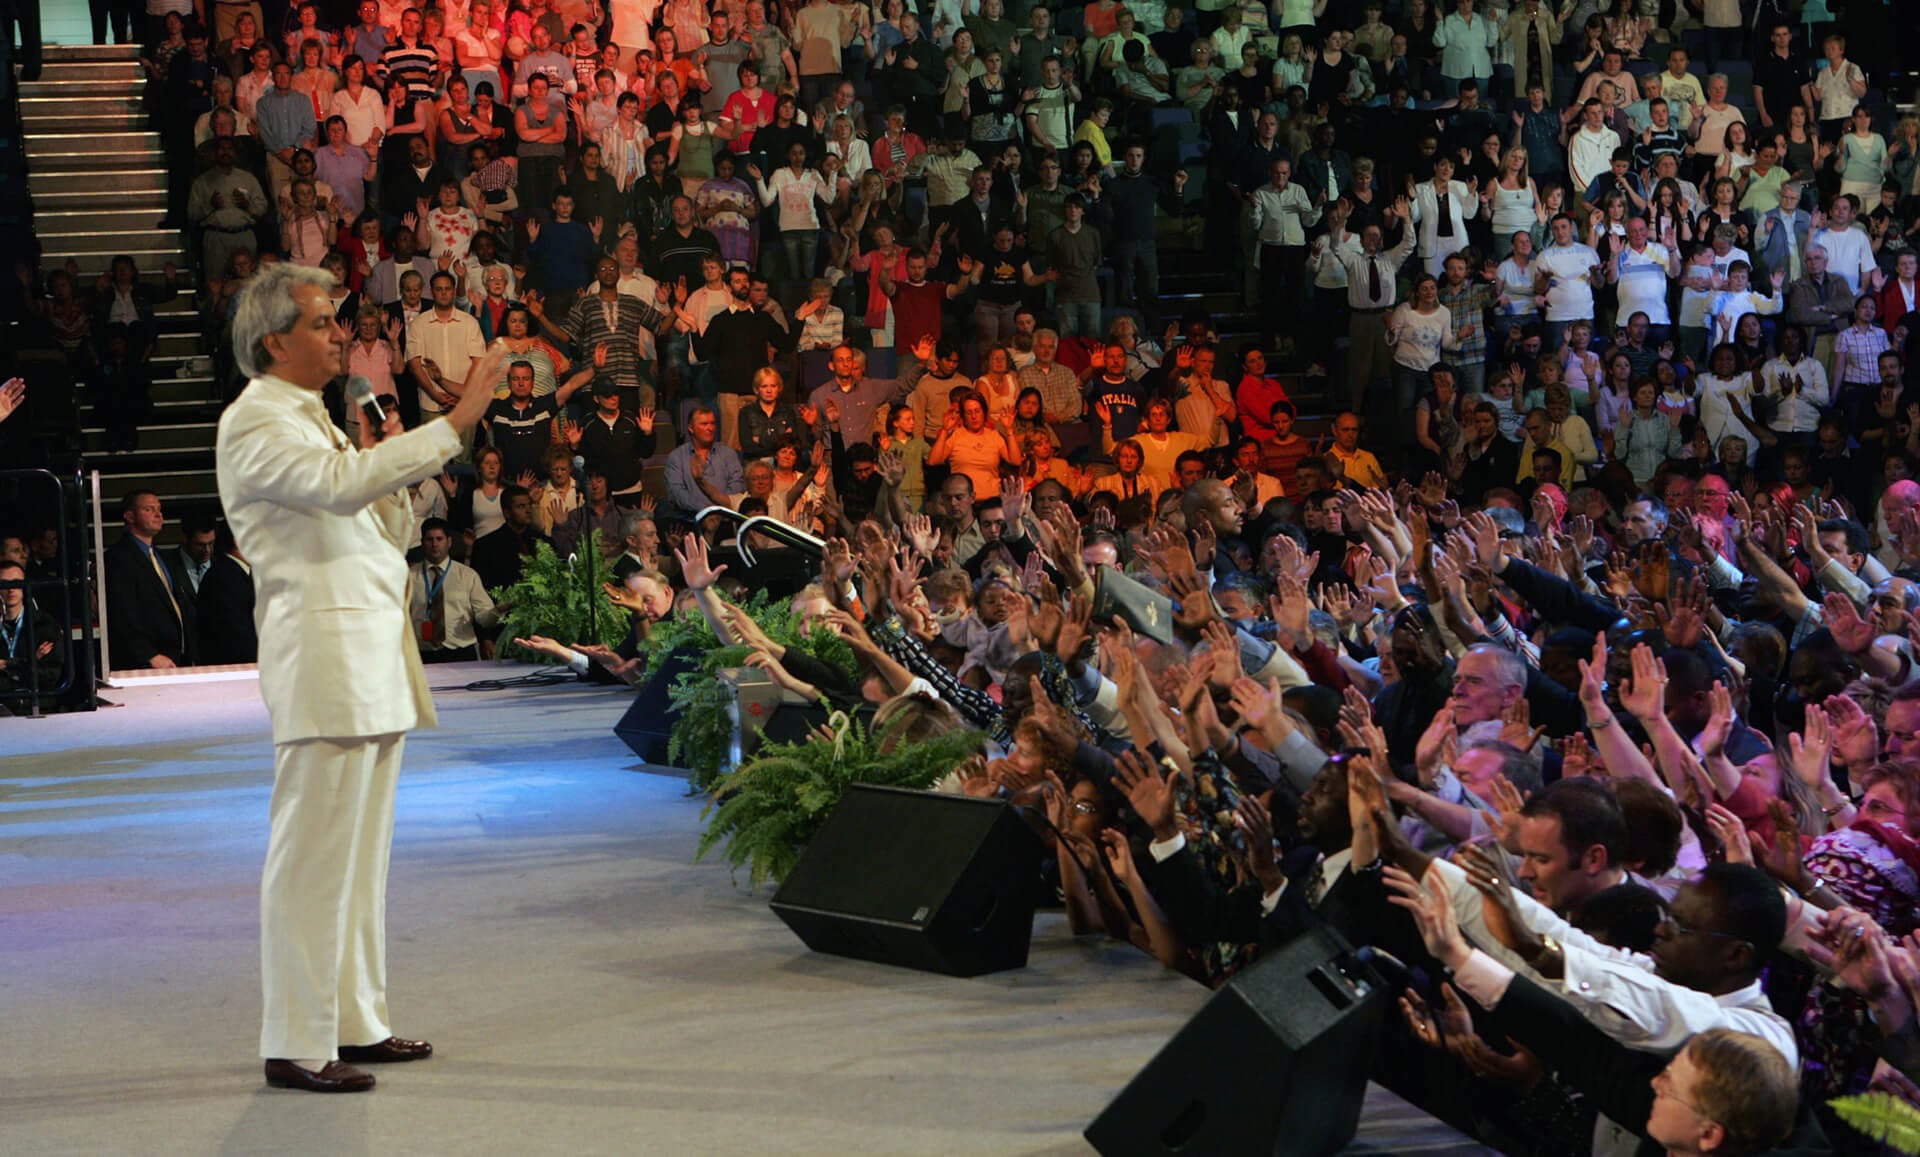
x: 1511, y: 668
x: 266, y: 307
x: 630, y: 522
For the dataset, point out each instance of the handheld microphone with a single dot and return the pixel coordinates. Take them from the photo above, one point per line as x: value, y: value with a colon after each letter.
x: 580, y: 469
x: 360, y: 392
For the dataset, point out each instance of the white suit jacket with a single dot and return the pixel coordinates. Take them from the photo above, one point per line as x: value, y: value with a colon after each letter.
x: 1462, y: 205
x: 325, y: 526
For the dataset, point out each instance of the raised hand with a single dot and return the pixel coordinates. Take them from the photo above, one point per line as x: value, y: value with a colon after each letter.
x: 1713, y: 737
x: 1437, y: 746
x: 1153, y: 796
x: 1432, y: 910
x: 13, y: 393
x: 1856, y: 741
x: 1736, y: 848
x: 694, y: 568
x: 1853, y: 634
x: 1810, y: 750
x: 1487, y: 872
x: 1645, y: 695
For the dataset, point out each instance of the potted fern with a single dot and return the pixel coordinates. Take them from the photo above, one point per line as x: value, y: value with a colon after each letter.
x: 561, y: 598
x: 1884, y: 1118
x: 766, y: 810
x: 703, y: 729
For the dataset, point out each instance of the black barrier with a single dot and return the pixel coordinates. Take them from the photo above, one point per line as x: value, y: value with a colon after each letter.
x: 77, y: 670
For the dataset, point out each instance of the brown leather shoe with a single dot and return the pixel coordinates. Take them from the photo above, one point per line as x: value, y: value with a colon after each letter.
x: 393, y: 1050
x: 334, y: 1077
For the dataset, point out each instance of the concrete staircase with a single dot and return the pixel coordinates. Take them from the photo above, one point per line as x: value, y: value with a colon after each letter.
x: 98, y: 180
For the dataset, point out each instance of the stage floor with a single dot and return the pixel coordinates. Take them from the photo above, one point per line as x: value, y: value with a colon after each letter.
x: 588, y: 987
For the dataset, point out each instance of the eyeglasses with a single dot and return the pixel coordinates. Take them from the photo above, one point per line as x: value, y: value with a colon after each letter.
x: 1663, y: 1087
x: 1082, y: 807
x: 1679, y: 929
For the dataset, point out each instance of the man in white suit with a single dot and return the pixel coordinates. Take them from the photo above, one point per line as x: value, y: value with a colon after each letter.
x: 325, y: 525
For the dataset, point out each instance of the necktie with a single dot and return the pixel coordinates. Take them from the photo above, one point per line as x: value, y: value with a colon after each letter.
x: 166, y: 584
x: 1373, y: 281
x: 1317, y: 882
x: 436, y: 631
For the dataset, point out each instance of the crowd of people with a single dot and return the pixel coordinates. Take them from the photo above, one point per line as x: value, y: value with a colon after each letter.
x: 1572, y: 659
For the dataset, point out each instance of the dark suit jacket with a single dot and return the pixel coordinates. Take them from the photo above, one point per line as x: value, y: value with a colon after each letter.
x: 497, y: 555
x: 141, y: 622
x: 226, y: 614
x: 1614, y: 1079
x: 974, y: 236
x: 39, y: 628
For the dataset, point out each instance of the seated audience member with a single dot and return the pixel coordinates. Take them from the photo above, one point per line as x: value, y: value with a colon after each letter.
x: 451, y: 611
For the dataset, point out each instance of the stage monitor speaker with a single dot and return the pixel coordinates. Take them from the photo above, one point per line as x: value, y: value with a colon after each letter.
x: 1276, y: 1062
x: 648, y: 724
x: 942, y: 883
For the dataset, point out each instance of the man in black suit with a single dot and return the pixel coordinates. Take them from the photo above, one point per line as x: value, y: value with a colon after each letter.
x: 151, y: 620
x: 1317, y: 883
x: 225, y: 605
x: 498, y: 556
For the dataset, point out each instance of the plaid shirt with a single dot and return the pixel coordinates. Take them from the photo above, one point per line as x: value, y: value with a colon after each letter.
x: 1863, y: 349
x: 1059, y: 389
x: 1469, y: 305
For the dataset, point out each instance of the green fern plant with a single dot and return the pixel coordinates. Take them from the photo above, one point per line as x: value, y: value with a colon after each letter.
x: 766, y: 810
x: 1884, y: 1118
x: 702, y: 731
x: 561, y: 598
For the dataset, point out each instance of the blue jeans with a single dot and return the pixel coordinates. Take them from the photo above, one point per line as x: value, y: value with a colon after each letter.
x: 1137, y: 264
x: 1408, y: 384
x: 799, y: 249
x: 1078, y: 318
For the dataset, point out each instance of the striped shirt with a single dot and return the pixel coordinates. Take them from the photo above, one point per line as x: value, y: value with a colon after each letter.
x: 413, y: 65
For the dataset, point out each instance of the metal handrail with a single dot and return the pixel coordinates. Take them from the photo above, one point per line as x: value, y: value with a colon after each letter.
x: 780, y: 531
x: 70, y: 668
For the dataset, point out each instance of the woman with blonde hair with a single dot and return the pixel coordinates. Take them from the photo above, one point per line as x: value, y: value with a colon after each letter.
x: 1511, y: 199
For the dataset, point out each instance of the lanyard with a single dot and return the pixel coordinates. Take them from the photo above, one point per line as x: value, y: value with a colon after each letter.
x: 12, y: 637
x: 433, y: 585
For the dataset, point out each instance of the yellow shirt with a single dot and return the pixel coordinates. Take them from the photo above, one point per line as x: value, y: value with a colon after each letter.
x: 1096, y: 136
x: 1360, y: 467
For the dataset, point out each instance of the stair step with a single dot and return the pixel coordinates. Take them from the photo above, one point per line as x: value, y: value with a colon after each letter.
x: 149, y: 203
x: 168, y: 345
x: 96, y: 186
x: 145, y: 459
x: 121, y: 219
x: 90, y: 84
x: 119, y: 144
x: 167, y: 388
x: 99, y: 121
x: 96, y: 165
x: 110, y: 240
x: 89, y: 52
x: 177, y: 412
x: 185, y: 436
x: 69, y: 104
x: 122, y: 69
x: 94, y: 262
x: 168, y: 484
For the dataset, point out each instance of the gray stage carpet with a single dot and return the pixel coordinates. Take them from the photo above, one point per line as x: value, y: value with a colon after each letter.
x: 590, y: 989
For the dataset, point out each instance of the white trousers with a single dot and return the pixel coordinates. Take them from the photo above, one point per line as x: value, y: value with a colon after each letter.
x: 323, y: 896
